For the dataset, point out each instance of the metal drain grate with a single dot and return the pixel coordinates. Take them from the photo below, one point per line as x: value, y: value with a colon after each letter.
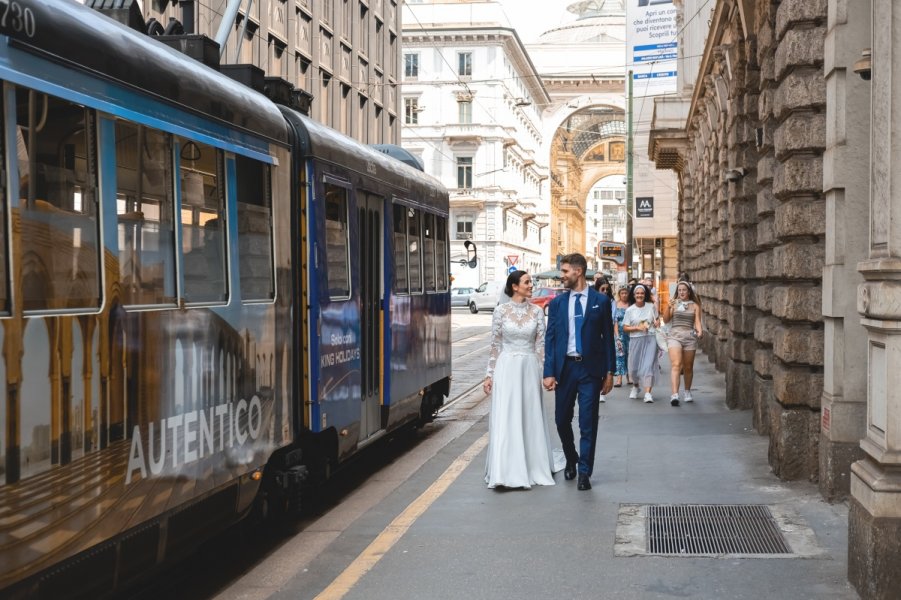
x: 713, y: 530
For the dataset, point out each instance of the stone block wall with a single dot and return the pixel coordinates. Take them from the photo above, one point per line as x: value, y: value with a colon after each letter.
x: 799, y: 111
x: 755, y: 246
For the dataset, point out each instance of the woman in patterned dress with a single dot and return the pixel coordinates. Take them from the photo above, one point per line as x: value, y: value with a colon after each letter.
x: 622, y: 338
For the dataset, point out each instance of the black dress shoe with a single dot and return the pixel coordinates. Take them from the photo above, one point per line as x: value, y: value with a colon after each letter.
x: 570, y: 471
x: 584, y: 484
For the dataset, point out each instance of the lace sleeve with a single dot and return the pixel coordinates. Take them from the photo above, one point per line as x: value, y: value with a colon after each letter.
x: 538, y: 315
x: 496, y: 335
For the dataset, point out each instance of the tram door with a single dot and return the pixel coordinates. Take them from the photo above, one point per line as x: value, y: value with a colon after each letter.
x: 370, y: 212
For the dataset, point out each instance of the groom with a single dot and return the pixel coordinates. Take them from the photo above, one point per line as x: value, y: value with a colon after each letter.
x: 579, y: 361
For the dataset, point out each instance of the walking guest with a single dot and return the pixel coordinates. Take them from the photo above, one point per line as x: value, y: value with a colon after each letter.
x: 519, y: 450
x: 683, y: 276
x: 579, y: 361
x: 622, y: 338
x: 602, y: 286
x: 640, y: 322
x: 682, y: 340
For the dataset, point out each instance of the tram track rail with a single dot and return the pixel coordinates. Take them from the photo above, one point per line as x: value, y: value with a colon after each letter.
x: 459, y: 397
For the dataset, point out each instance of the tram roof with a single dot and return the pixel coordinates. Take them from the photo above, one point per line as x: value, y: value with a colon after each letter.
x: 80, y: 37
x: 327, y: 144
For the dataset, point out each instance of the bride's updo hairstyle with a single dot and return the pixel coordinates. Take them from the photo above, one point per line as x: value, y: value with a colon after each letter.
x: 512, y: 280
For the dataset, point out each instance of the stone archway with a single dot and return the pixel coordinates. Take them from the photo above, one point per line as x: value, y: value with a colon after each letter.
x: 588, y: 144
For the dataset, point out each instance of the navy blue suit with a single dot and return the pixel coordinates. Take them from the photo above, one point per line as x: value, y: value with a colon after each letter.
x: 579, y: 379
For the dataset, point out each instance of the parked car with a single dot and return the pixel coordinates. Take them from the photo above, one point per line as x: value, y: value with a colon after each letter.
x: 487, y: 296
x: 460, y: 296
x: 543, y: 296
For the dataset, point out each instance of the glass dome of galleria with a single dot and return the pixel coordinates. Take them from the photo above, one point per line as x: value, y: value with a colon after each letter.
x: 598, y: 21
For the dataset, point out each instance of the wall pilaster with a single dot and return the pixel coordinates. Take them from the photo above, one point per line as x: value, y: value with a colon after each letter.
x: 846, y: 188
x: 794, y: 267
x: 874, y: 536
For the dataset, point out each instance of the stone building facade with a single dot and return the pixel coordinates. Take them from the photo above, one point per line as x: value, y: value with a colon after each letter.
x: 786, y: 165
x: 345, y: 54
x: 472, y: 113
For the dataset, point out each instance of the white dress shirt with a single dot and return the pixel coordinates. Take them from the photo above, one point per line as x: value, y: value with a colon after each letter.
x: 571, y: 342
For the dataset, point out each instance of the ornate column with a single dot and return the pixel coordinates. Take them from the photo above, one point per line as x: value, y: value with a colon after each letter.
x: 874, y: 536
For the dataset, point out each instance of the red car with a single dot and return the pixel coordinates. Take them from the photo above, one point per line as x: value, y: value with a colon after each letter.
x: 543, y: 296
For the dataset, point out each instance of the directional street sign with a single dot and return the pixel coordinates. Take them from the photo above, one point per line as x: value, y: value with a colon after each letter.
x: 511, y: 270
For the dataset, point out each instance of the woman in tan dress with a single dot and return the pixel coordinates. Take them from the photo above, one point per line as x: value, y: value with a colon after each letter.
x: 684, y: 318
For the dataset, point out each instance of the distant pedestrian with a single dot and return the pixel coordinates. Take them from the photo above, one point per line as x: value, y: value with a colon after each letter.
x: 640, y: 322
x: 682, y: 340
x: 622, y: 338
x: 648, y: 282
x: 519, y: 448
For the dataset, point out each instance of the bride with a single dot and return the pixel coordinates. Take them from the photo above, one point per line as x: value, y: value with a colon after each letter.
x: 519, y: 450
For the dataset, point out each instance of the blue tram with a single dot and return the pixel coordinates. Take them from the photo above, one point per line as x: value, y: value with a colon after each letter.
x: 206, y: 300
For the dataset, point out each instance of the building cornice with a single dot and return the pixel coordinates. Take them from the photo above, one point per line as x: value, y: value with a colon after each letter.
x: 668, y: 138
x: 667, y: 147
x: 433, y: 37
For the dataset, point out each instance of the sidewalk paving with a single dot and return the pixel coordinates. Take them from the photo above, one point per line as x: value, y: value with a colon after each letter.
x: 558, y: 542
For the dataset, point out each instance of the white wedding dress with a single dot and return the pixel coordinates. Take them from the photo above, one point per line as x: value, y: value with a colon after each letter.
x: 519, y: 449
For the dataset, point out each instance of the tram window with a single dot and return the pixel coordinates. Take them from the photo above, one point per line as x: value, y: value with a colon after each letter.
x: 4, y: 248
x: 414, y: 244
x: 203, y: 230
x: 58, y: 187
x: 401, y: 283
x: 336, y: 241
x: 254, y: 229
x: 441, y: 252
x: 145, y: 215
x: 428, y: 251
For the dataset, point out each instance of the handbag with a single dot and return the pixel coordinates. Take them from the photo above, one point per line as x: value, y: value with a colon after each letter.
x: 661, y: 334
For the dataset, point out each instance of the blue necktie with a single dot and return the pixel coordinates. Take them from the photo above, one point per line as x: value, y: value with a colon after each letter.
x: 578, y: 315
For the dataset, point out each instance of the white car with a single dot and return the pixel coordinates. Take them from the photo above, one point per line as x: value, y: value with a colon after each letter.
x: 487, y: 296
x: 460, y: 296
